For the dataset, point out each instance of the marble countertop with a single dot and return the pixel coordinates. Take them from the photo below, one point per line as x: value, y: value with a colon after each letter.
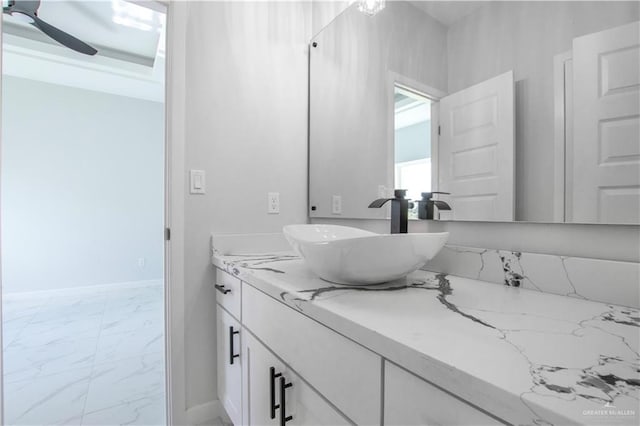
x: 526, y: 357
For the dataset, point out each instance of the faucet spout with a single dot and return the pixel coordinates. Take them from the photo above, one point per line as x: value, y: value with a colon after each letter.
x: 399, y: 210
x: 376, y: 204
x: 426, y: 205
x: 441, y: 205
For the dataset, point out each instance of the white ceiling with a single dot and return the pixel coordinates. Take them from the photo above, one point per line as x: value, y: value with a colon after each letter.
x: 410, y: 109
x: 448, y: 12
x: 129, y: 38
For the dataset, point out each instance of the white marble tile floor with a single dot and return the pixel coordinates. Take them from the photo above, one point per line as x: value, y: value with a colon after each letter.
x: 91, y: 358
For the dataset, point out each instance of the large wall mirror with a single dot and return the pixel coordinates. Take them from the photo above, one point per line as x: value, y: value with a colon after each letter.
x: 525, y: 111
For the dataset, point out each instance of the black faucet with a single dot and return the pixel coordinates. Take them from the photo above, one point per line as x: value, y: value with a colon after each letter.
x: 399, y: 210
x: 425, y: 206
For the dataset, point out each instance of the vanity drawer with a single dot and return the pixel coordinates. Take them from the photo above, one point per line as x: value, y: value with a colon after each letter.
x: 409, y: 400
x: 345, y: 373
x: 228, y: 290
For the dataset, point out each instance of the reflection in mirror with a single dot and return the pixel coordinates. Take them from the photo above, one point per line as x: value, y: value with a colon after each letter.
x: 412, y: 142
x: 538, y: 106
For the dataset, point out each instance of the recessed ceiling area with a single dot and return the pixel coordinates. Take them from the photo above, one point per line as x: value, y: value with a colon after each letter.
x: 410, y: 109
x: 129, y: 37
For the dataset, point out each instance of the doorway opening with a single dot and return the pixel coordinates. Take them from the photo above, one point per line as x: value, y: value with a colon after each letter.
x: 412, y: 142
x: 83, y: 174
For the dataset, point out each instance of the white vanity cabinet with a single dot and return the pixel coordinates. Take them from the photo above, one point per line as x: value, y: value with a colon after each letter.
x: 277, y: 366
x: 275, y: 395
x: 409, y: 400
x: 230, y: 363
x: 334, y: 380
x: 228, y: 341
x: 228, y: 293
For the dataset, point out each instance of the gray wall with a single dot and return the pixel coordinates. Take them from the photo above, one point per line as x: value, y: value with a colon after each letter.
x: 611, y: 242
x: 82, y: 187
x: 246, y: 126
x: 352, y: 90
x: 246, y: 97
x: 524, y: 37
x: 324, y: 12
x: 614, y: 242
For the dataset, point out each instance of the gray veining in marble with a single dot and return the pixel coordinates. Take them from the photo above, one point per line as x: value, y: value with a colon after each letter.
x: 591, y: 279
x: 539, y: 358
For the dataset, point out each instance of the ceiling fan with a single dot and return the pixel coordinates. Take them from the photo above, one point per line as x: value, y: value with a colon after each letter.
x: 27, y: 11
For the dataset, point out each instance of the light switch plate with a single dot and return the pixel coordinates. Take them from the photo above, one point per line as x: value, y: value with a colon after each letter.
x: 197, y: 184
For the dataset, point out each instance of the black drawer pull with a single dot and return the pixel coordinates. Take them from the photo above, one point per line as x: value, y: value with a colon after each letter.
x: 221, y: 289
x: 231, y: 351
x: 272, y: 382
x: 283, y: 403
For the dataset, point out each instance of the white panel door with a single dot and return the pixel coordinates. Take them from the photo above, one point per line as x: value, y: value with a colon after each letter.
x: 606, y: 132
x: 476, y: 150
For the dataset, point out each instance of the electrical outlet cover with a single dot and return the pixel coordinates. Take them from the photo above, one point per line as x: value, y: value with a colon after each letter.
x: 273, y: 202
x: 336, y: 204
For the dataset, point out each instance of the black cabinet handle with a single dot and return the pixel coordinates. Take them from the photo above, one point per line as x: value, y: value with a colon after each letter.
x: 283, y: 403
x: 231, y: 351
x: 272, y: 381
x: 221, y: 289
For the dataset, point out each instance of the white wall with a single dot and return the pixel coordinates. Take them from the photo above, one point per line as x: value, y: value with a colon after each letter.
x: 82, y: 187
x: 324, y: 12
x: 245, y: 69
x: 353, y: 68
x: 614, y: 242
x: 1, y: 253
x: 524, y: 37
x: 246, y: 115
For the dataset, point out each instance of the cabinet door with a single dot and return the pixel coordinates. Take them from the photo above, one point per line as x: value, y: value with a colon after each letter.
x: 229, y: 364
x: 263, y: 391
x: 409, y: 400
x: 342, y: 371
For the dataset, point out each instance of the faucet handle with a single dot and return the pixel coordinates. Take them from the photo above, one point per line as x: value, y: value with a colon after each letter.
x: 427, y: 195
x: 399, y: 193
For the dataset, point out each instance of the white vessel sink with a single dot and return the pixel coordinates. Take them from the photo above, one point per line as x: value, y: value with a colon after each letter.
x: 346, y: 255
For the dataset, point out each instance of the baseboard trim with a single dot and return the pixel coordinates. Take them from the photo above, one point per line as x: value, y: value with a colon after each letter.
x: 89, y: 289
x: 205, y: 412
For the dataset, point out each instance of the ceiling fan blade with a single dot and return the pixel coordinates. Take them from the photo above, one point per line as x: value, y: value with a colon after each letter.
x: 63, y: 38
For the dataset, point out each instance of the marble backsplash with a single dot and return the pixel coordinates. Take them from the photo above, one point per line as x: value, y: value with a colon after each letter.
x: 598, y: 280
